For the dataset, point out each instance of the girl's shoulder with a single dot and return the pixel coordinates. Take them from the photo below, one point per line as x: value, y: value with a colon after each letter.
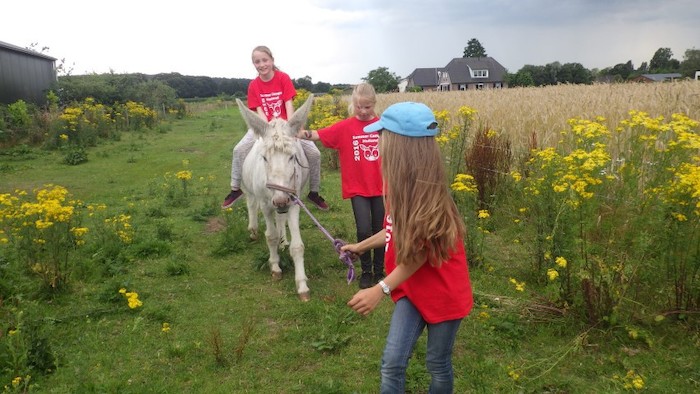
x: 279, y: 74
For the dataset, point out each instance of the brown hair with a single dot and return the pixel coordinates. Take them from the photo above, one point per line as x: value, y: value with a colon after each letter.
x: 268, y: 52
x: 425, y: 220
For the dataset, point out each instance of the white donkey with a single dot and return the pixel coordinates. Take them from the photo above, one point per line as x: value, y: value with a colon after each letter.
x: 277, y: 160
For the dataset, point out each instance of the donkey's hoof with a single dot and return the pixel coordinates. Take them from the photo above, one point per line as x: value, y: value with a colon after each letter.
x: 253, y: 236
x: 305, y: 296
x: 277, y: 275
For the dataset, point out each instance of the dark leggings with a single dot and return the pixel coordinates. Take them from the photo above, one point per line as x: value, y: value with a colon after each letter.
x: 369, y: 219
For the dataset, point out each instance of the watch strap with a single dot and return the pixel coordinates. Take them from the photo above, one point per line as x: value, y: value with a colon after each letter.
x: 385, y: 288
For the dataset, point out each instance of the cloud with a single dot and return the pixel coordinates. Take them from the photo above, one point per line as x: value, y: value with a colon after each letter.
x: 341, y: 41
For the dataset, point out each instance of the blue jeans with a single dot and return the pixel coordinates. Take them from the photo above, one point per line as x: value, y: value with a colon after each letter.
x: 406, y: 326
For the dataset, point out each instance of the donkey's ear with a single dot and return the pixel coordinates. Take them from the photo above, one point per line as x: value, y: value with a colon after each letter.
x: 252, y: 119
x: 298, y: 119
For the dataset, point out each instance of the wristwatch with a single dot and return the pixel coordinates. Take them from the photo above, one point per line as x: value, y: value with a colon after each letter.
x: 385, y: 288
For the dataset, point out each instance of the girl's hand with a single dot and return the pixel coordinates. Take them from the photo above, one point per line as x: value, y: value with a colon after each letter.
x: 364, y: 301
x: 305, y: 134
x: 354, y: 251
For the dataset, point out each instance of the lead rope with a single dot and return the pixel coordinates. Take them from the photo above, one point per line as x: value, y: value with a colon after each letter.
x: 344, y: 256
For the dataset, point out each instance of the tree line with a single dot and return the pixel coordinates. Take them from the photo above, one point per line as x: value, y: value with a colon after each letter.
x: 662, y: 62
x: 163, y: 88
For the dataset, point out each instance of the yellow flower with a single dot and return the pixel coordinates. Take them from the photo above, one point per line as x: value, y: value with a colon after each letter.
x: 166, y: 327
x: 516, y: 176
x: 513, y: 374
x: 680, y: 217
x: 638, y: 382
x: 560, y: 261
x: 63, y: 137
x: 483, y: 214
x: 552, y: 274
x: 519, y: 286
x: 185, y: 175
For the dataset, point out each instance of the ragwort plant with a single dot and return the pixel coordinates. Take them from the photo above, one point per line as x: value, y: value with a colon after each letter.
x: 559, y: 201
x: 662, y: 163
x: 609, y: 210
x: 477, y: 164
x: 43, y: 231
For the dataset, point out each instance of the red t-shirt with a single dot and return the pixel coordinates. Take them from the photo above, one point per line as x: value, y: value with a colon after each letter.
x: 271, y: 95
x: 439, y: 294
x: 360, y: 168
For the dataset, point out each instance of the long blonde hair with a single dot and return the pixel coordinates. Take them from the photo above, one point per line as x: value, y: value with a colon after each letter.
x: 268, y: 52
x: 425, y: 220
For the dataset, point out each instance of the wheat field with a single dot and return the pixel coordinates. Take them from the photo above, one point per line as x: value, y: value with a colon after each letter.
x: 520, y: 112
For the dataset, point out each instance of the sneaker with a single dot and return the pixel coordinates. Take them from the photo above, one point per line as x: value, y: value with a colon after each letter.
x: 231, y: 198
x: 320, y: 203
x: 366, y: 280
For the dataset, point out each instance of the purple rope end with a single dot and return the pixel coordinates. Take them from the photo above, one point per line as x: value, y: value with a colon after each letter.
x: 345, y: 257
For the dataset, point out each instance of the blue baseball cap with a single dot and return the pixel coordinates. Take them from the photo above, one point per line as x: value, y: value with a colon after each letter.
x: 407, y: 118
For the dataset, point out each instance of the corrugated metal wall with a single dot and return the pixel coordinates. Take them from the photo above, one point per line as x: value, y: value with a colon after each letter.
x: 24, y: 75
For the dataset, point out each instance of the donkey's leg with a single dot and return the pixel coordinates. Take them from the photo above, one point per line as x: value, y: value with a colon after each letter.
x: 282, y: 227
x: 252, y: 217
x: 296, y: 249
x: 273, y: 241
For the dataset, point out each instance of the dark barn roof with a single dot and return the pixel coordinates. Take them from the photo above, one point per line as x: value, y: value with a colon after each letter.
x: 425, y: 76
x: 15, y: 48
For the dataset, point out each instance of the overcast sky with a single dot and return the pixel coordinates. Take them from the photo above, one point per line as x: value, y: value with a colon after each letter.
x: 340, y: 41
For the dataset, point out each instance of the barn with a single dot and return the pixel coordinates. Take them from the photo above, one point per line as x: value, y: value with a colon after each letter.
x: 24, y: 74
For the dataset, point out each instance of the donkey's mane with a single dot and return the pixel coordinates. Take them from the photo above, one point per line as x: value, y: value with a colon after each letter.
x: 278, y: 140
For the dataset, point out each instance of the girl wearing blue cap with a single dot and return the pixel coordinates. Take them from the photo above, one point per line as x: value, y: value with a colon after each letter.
x: 427, y: 273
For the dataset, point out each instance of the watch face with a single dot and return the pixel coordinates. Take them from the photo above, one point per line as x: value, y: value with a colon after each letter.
x: 385, y: 288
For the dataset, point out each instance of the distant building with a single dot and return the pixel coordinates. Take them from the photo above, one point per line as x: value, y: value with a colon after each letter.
x: 24, y: 74
x: 428, y: 79
x: 657, y: 77
x: 462, y: 73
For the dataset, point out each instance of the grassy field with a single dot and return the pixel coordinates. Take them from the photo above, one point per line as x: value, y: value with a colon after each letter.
x: 232, y: 329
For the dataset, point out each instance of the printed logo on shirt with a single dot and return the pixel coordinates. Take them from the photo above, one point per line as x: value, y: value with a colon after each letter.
x: 367, y: 147
x: 388, y: 233
x: 271, y: 104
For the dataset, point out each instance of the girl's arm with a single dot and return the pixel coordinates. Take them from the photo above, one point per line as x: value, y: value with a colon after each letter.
x: 289, y: 106
x: 373, y: 242
x: 311, y: 135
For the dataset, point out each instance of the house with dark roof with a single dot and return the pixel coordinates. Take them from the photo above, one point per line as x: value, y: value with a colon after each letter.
x: 657, y: 77
x: 462, y: 73
x: 25, y: 74
x: 427, y: 79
